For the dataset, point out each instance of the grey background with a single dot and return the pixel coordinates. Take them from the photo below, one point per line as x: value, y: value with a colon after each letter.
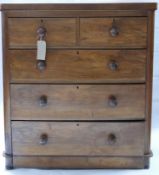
x: 154, y: 168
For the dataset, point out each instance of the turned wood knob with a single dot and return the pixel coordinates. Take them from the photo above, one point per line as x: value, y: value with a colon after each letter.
x: 41, y: 31
x: 114, y: 31
x: 43, y: 100
x: 41, y: 64
x: 113, y: 65
x: 112, y: 101
x: 43, y: 139
x: 111, y: 139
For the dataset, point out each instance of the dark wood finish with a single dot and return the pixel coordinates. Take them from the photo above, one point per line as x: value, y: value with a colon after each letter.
x: 126, y: 33
x: 85, y: 6
x: 133, y: 29
x: 78, y: 138
x: 78, y: 162
x: 149, y: 75
x: 96, y: 81
x: 41, y: 31
x: 78, y: 66
x: 43, y: 139
x: 74, y: 13
x: 6, y: 87
x: 77, y: 102
x: 60, y: 31
x: 41, y: 65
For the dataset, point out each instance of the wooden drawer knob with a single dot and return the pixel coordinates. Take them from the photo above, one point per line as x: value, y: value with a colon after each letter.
x: 43, y: 139
x: 43, y: 100
x: 112, y: 101
x: 111, y: 139
x: 113, y: 65
x: 41, y: 64
x: 41, y: 31
x: 114, y: 31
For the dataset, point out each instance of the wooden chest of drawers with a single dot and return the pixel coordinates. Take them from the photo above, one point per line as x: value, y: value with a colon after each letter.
x: 87, y: 104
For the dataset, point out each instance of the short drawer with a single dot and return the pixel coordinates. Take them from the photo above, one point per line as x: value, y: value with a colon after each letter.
x: 77, y: 102
x: 78, y: 138
x: 78, y: 66
x: 127, y: 32
x: 22, y: 32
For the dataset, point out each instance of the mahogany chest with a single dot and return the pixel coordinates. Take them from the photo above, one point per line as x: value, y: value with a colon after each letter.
x: 78, y: 84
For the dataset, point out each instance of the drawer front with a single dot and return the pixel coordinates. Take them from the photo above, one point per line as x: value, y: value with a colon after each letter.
x: 77, y: 102
x: 72, y: 138
x: 79, y: 66
x: 127, y: 32
x: 22, y: 32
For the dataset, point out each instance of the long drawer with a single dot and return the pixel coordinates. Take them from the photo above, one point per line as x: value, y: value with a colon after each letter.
x: 77, y: 102
x: 79, y: 66
x: 78, y: 138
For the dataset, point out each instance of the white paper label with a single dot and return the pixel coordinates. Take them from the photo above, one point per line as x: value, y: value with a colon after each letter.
x: 41, y: 50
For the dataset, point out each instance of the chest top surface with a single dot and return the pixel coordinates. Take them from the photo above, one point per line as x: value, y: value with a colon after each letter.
x: 80, y: 5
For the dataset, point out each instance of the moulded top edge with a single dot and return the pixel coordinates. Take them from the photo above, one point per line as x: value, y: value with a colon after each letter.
x: 80, y: 6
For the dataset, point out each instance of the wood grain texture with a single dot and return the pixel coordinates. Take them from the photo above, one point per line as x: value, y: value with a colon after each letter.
x: 6, y: 94
x: 74, y: 13
x: 80, y: 6
x: 91, y: 105
x: 149, y: 75
x: 78, y: 162
x: 23, y: 31
x: 132, y: 32
x: 77, y: 102
x: 78, y: 66
x: 77, y: 139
